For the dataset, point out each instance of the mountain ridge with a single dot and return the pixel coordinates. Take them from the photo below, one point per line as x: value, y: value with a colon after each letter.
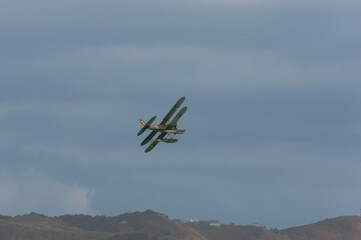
x: 150, y: 225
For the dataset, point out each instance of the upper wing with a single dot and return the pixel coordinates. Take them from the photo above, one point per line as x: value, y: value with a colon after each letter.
x: 176, y: 118
x: 172, y: 111
x: 155, y: 142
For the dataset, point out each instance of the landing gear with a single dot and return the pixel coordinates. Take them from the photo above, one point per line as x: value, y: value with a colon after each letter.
x: 169, y: 138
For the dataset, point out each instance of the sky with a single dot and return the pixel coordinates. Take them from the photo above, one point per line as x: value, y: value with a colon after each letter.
x: 273, y: 121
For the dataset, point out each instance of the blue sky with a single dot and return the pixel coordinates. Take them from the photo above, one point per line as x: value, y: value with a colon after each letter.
x: 273, y: 120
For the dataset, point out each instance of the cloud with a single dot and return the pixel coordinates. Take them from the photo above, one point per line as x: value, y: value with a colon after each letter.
x: 78, y: 199
x: 34, y: 192
x: 8, y: 192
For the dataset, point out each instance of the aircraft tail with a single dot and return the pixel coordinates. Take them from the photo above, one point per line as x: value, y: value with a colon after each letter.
x: 145, y: 125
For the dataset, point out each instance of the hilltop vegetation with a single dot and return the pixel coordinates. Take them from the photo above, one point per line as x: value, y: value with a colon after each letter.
x: 150, y: 225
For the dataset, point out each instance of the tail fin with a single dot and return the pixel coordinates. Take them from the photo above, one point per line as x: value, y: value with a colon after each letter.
x: 145, y: 125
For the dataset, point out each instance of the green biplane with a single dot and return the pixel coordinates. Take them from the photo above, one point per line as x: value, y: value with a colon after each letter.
x: 167, y: 130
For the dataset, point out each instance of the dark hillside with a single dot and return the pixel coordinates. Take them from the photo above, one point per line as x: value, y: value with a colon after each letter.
x: 96, y: 224
x: 130, y: 226
x: 346, y: 228
x: 155, y: 224
x: 150, y: 225
x: 231, y: 232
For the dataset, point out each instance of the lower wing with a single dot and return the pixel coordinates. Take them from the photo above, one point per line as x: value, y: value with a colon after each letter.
x: 155, y: 142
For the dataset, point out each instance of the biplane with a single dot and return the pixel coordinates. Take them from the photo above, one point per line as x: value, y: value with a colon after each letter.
x: 167, y: 129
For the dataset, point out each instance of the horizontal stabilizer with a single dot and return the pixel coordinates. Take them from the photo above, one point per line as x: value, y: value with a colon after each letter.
x: 145, y: 125
x: 151, y: 121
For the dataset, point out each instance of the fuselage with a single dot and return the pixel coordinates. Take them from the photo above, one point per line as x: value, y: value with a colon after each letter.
x: 163, y: 128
